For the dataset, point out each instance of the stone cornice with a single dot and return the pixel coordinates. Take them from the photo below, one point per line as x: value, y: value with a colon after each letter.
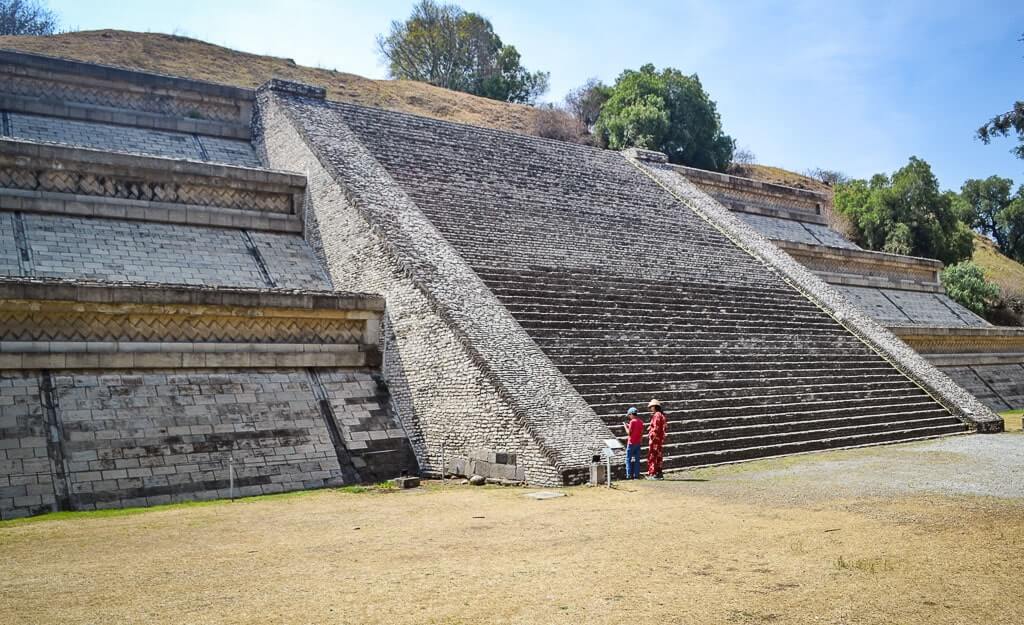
x: 66, y: 324
x: 56, y: 289
x: 65, y: 180
x: 894, y: 267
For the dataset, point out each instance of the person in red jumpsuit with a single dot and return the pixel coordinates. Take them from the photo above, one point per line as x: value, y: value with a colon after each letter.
x: 656, y: 430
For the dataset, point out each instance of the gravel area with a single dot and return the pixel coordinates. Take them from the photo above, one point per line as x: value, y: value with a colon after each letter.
x: 988, y: 465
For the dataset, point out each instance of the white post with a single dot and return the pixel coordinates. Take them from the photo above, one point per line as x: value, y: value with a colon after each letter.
x: 231, y: 477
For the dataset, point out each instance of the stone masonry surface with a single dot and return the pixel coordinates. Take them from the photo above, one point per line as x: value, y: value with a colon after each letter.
x: 119, y: 251
x: 143, y: 438
x: 623, y: 286
x: 939, y: 386
x: 789, y: 230
x: 131, y: 140
x: 446, y: 403
x: 26, y: 485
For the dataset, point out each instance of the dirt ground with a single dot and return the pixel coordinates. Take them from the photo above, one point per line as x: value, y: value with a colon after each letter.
x: 750, y: 543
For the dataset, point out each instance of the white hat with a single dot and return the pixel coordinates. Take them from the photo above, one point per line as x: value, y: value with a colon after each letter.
x: 653, y: 403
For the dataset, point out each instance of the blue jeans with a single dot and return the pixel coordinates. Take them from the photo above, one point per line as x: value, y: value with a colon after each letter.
x: 632, y: 462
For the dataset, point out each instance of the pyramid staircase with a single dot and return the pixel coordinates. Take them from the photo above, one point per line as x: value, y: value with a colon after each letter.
x: 743, y: 373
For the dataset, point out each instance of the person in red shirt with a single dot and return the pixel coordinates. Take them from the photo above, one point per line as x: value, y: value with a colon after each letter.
x: 656, y: 431
x: 635, y: 433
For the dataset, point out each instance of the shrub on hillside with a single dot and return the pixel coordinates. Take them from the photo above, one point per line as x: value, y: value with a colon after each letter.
x: 666, y: 111
x: 552, y: 122
x: 905, y: 214
x: 965, y: 282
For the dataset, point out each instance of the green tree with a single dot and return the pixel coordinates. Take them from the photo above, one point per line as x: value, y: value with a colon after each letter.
x: 445, y: 46
x: 1004, y: 124
x: 666, y: 111
x: 26, y: 17
x: 905, y: 214
x: 965, y: 282
x: 991, y: 206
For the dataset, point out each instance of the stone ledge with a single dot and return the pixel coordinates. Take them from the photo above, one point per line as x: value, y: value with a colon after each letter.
x: 293, y: 88
x: 650, y: 156
x: 963, y: 360
x: 55, y: 203
x: 749, y: 184
x: 880, y: 257
x: 820, y: 258
x: 123, y: 117
x: 187, y: 360
x: 929, y: 340
x: 878, y: 282
x: 46, y: 155
x: 802, y: 216
x: 51, y: 289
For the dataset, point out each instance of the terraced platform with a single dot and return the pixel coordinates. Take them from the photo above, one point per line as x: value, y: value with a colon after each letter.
x: 631, y: 295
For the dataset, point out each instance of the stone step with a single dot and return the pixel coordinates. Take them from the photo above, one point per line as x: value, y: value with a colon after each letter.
x: 688, y: 354
x: 529, y: 304
x: 672, y: 338
x: 681, y: 327
x: 784, y: 449
x: 714, y: 363
x: 756, y: 407
x: 600, y: 280
x: 664, y: 383
x: 759, y: 376
x: 817, y: 419
x: 684, y: 399
x: 534, y: 293
x: 697, y: 445
x: 714, y: 431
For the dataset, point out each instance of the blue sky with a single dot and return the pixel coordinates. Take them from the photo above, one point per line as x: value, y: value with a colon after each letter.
x: 854, y: 86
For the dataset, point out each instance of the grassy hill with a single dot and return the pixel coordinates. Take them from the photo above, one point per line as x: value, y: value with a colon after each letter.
x: 191, y: 58
x: 1008, y: 274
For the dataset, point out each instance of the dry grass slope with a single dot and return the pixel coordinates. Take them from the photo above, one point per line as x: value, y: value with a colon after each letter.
x: 1008, y: 274
x: 191, y: 58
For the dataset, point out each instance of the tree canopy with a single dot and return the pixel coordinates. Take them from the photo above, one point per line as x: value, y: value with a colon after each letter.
x: 666, y: 111
x: 446, y: 46
x: 26, y: 17
x: 965, y: 282
x: 1004, y: 124
x: 991, y: 206
x: 905, y: 214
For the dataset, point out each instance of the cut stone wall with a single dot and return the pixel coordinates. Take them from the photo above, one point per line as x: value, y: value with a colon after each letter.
x: 131, y: 438
x: 130, y: 140
x: 26, y: 475
x: 119, y: 251
x: 34, y: 83
x: 449, y: 397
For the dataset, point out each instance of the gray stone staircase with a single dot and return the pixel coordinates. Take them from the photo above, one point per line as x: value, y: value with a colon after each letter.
x: 632, y: 295
x: 743, y: 373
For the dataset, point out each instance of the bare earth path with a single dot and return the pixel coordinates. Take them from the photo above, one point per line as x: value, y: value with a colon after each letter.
x: 920, y: 533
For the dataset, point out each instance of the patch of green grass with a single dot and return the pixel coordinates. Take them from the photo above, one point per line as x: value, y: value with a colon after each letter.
x: 865, y: 565
x: 1012, y: 420
x: 355, y: 489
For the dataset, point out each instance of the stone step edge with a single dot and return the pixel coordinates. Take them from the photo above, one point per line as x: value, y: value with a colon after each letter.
x: 911, y: 439
x: 698, y: 438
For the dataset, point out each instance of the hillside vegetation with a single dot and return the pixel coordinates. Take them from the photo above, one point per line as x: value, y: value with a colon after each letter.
x: 199, y: 60
x: 1005, y: 272
x: 191, y: 58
